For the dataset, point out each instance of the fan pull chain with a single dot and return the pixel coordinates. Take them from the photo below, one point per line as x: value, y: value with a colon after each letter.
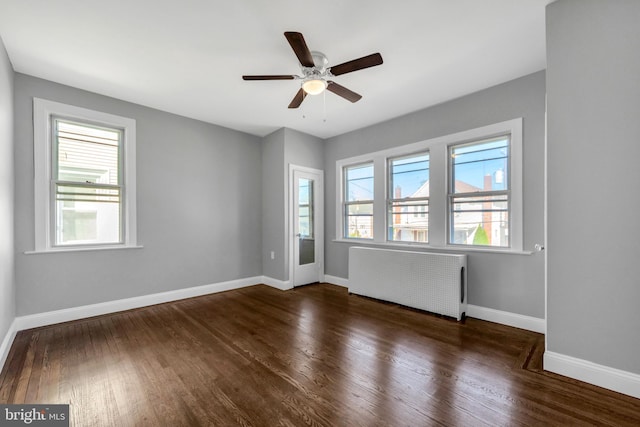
x: 324, y: 102
x: 302, y: 110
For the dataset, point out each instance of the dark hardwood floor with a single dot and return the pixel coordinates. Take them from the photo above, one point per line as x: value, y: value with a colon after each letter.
x: 311, y: 356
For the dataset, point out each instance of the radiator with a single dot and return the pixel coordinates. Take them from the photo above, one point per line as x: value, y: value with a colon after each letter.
x: 427, y: 281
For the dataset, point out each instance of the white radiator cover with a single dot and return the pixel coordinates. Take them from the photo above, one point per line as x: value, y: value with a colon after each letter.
x: 424, y: 280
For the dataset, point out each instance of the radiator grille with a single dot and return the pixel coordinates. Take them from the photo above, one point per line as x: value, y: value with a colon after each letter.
x: 427, y: 281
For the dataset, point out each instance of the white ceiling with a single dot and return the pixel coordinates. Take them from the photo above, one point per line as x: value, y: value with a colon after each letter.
x: 187, y: 57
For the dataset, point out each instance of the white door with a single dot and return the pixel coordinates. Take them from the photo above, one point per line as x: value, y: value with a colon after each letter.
x: 307, y: 222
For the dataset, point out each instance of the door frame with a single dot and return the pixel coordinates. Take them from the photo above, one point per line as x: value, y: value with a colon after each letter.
x: 319, y: 221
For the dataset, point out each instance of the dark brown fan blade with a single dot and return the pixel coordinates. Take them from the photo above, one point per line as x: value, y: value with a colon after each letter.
x: 299, y: 46
x: 357, y: 64
x: 342, y: 91
x: 297, y: 100
x: 276, y: 77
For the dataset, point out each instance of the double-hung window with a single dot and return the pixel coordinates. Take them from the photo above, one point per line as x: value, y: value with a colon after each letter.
x: 408, y: 198
x: 358, y: 201
x: 457, y: 191
x: 479, y: 193
x: 85, y: 178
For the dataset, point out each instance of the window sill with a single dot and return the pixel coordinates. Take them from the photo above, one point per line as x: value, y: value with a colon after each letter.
x: 433, y: 248
x: 81, y: 249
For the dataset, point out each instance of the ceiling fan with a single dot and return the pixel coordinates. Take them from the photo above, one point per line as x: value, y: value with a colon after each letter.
x: 316, y: 76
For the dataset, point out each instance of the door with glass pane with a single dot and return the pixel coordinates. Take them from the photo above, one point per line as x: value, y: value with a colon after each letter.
x: 307, y: 226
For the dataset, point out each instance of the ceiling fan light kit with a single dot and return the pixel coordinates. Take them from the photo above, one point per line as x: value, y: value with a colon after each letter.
x: 315, y: 73
x: 314, y: 85
x: 314, y: 78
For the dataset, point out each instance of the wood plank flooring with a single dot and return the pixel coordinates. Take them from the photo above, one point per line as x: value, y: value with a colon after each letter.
x: 312, y: 356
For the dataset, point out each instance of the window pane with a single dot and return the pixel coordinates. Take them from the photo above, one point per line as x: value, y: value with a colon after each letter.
x: 410, y: 176
x: 82, y: 222
x: 87, y: 192
x: 480, y: 166
x: 408, y: 203
x: 481, y: 221
x: 305, y: 207
x: 306, y: 240
x: 358, y: 201
x: 359, y: 182
x: 359, y: 221
x: 87, y: 154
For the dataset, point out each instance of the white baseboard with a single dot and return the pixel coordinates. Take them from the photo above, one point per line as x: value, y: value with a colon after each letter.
x: 75, y: 313
x: 334, y: 280
x: 507, y: 318
x: 275, y: 283
x: 603, y: 376
x: 6, y: 343
x: 489, y: 314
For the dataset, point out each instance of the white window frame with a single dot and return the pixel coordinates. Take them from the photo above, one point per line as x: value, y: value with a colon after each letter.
x: 43, y: 112
x: 438, y: 149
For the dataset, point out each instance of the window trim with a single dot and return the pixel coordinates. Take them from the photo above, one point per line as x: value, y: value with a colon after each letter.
x: 438, y: 198
x: 44, y: 111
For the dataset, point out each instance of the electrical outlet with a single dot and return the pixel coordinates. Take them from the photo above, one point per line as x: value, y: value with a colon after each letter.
x: 273, y: 255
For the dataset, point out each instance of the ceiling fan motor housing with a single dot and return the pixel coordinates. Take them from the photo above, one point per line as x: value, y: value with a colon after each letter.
x: 320, y: 60
x: 314, y: 78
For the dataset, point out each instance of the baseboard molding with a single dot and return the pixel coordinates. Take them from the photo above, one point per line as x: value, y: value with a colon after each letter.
x: 275, y: 283
x: 602, y: 376
x: 6, y: 343
x: 75, y: 313
x: 507, y: 318
x: 489, y: 314
x: 334, y: 280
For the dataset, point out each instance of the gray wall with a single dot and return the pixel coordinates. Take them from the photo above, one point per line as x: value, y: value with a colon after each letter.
x: 273, y: 211
x: 513, y: 283
x: 593, y: 85
x: 7, y: 283
x: 280, y: 149
x: 199, y: 205
x: 302, y: 149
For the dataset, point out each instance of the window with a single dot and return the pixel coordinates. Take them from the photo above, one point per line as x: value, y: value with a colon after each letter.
x: 87, y: 183
x: 408, y: 198
x: 459, y: 191
x: 305, y: 207
x: 85, y: 178
x: 479, y: 193
x: 358, y: 201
